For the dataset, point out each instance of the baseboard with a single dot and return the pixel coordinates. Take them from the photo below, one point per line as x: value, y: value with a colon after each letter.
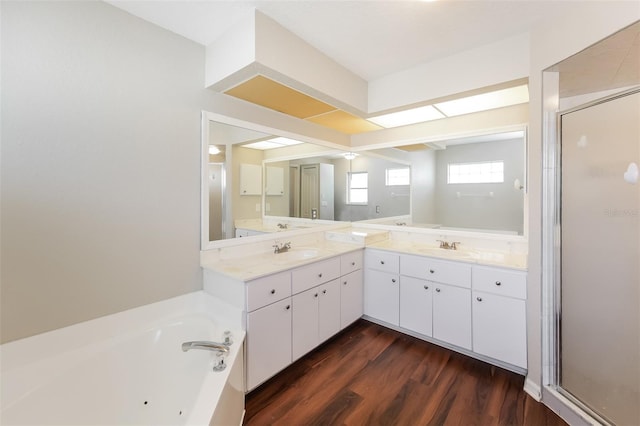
x: 533, y: 389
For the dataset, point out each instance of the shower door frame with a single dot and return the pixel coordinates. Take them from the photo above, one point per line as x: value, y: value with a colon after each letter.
x: 557, y: 397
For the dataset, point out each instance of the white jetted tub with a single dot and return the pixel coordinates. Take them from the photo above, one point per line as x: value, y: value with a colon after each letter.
x: 128, y: 369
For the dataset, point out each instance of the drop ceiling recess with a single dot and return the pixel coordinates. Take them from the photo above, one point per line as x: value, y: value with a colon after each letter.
x: 271, y: 94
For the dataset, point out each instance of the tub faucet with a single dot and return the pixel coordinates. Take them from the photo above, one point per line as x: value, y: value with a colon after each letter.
x: 207, y: 346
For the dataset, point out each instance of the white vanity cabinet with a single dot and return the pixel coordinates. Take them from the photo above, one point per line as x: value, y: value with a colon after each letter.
x: 382, y: 286
x: 316, y: 304
x: 351, y: 288
x: 316, y: 317
x: 499, y: 314
x: 416, y: 305
x: 289, y: 313
x: 475, y: 309
x: 445, y: 295
x: 269, y: 314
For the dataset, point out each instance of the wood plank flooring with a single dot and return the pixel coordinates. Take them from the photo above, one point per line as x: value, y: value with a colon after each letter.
x: 370, y: 375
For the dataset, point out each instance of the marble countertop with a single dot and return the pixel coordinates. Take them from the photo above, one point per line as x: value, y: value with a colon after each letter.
x: 252, y: 266
x: 480, y: 257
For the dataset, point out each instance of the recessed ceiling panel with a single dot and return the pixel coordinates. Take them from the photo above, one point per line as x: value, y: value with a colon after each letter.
x: 270, y: 94
x: 344, y: 122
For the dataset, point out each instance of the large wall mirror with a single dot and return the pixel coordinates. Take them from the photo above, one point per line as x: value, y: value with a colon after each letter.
x: 251, y: 173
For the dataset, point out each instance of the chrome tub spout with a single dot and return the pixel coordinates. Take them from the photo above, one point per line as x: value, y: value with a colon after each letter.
x: 207, y: 346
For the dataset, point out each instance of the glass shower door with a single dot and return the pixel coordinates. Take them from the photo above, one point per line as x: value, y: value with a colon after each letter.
x: 599, y: 330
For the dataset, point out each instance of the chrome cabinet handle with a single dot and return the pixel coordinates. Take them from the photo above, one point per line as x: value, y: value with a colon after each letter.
x: 393, y: 280
x: 324, y: 291
x: 345, y: 283
x: 479, y: 299
x: 438, y: 290
x: 498, y: 283
x: 382, y: 262
x: 315, y: 295
x: 288, y: 307
x: 431, y: 271
x: 426, y: 287
x: 320, y: 275
x: 353, y: 263
x: 273, y: 291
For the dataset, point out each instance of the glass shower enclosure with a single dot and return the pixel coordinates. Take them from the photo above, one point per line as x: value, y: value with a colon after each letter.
x: 599, y: 294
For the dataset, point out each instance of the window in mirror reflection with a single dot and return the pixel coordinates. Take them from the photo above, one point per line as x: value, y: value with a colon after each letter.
x: 484, y: 172
x: 397, y: 177
x: 357, y: 187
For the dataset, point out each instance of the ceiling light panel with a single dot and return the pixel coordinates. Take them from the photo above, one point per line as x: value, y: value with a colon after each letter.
x: 486, y: 101
x: 410, y: 116
x: 285, y: 141
x: 277, y: 142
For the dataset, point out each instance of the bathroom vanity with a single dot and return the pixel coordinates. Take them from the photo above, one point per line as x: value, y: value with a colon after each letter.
x: 460, y: 304
x: 472, y: 301
x: 292, y: 301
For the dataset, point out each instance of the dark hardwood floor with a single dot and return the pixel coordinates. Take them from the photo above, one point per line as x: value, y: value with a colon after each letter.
x: 370, y: 375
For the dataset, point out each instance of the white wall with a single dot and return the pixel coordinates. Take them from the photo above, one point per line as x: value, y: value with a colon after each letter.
x: 100, y: 164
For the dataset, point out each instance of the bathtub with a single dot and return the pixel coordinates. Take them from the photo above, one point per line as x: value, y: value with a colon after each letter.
x: 128, y: 369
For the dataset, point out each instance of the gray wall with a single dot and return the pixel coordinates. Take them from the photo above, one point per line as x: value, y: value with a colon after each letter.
x: 387, y: 197
x: 474, y: 209
x: 100, y: 164
x: 423, y: 186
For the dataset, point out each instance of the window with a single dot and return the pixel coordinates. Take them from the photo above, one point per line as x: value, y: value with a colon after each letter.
x: 396, y: 177
x: 485, y: 172
x: 357, y: 187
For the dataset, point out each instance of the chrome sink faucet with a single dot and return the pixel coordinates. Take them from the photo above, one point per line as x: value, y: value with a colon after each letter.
x: 281, y: 248
x: 449, y: 246
x: 283, y: 226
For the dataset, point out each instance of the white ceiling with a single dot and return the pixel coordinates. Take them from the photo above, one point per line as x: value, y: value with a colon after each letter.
x: 370, y: 38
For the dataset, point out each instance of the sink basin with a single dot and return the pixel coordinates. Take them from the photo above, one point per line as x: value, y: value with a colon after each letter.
x: 295, y: 254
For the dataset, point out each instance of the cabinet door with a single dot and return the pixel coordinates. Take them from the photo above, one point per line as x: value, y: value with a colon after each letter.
x: 351, y: 298
x: 452, y: 315
x: 268, y: 341
x: 275, y: 181
x: 499, y: 328
x: 305, y: 322
x: 382, y: 296
x: 329, y: 310
x: 250, y: 179
x: 416, y: 299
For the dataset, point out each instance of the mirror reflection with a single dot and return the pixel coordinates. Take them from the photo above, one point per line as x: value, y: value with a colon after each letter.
x: 472, y: 183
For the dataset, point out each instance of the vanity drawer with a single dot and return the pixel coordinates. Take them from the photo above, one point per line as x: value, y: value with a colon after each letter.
x: 442, y: 271
x: 267, y: 290
x: 500, y: 281
x: 315, y: 274
x: 350, y: 262
x: 382, y: 261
